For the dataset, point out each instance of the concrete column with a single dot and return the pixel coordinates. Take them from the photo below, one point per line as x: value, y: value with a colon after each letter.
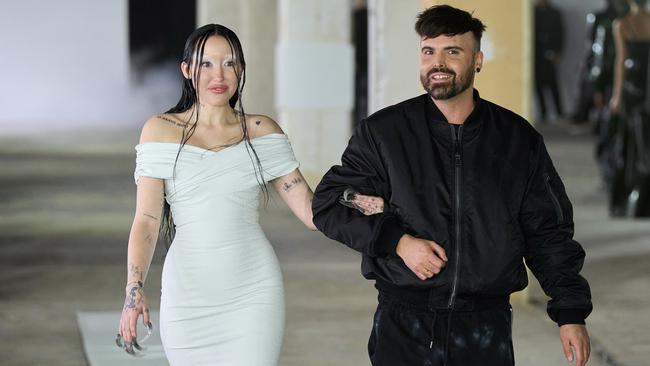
x: 314, y: 80
x: 254, y: 22
x: 393, y: 52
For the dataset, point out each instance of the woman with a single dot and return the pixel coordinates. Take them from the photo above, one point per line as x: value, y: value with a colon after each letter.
x: 630, y: 105
x: 222, y: 297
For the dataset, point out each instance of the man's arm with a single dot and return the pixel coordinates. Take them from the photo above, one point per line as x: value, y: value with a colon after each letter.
x: 546, y: 218
x: 554, y: 257
x: 363, y: 171
x: 377, y: 235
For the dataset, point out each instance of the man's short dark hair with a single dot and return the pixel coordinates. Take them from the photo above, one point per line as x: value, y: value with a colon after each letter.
x: 448, y: 21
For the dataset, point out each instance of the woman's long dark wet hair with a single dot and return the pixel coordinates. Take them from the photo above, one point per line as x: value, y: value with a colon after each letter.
x: 192, y: 56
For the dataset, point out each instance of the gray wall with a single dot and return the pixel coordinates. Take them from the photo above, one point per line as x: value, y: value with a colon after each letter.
x: 65, y: 66
x: 63, y: 62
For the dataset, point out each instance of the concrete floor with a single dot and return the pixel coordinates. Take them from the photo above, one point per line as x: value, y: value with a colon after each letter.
x: 66, y: 209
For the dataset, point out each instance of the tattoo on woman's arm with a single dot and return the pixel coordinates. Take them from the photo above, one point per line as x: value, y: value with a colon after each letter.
x: 287, y: 186
x: 151, y: 216
x: 136, y: 273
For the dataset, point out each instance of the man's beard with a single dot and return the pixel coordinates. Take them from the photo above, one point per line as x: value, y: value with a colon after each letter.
x: 450, y: 89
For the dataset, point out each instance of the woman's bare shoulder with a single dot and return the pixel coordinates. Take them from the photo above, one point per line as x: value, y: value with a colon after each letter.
x: 163, y: 127
x: 260, y: 125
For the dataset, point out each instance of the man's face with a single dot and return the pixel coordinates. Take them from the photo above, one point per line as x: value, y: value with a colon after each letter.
x: 447, y: 64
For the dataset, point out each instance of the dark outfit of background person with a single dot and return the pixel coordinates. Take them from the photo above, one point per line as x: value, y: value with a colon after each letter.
x: 596, y: 82
x: 488, y: 193
x: 597, y: 72
x: 630, y: 191
x: 549, y: 41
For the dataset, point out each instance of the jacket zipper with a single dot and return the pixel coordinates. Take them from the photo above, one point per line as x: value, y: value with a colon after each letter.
x: 458, y: 163
x: 556, y: 202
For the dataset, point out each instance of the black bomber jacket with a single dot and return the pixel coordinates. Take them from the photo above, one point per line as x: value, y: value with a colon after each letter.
x: 487, y: 192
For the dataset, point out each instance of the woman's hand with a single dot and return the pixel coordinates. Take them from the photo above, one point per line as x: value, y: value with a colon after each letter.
x: 135, y: 304
x: 367, y: 205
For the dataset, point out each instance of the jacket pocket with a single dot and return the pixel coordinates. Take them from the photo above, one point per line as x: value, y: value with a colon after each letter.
x: 554, y: 199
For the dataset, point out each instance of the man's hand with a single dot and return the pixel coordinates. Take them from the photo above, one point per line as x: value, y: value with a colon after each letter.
x: 575, y: 343
x: 425, y: 258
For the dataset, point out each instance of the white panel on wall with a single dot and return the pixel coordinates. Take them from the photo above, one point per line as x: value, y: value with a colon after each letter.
x: 314, y: 75
x: 393, y: 52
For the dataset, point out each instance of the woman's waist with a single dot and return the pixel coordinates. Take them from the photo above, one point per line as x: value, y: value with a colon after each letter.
x: 218, y: 229
x: 215, y: 238
x: 244, y: 258
x: 219, y: 281
x: 192, y: 268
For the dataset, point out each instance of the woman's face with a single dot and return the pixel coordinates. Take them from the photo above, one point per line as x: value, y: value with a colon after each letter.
x: 218, y: 80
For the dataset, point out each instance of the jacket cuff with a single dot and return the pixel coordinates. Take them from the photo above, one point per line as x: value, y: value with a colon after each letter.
x: 388, y: 236
x: 570, y: 316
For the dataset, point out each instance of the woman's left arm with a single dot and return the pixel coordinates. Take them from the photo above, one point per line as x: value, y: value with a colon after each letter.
x: 296, y: 193
x: 619, y: 67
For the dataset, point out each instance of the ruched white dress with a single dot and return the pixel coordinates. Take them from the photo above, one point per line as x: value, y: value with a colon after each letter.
x: 222, y: 299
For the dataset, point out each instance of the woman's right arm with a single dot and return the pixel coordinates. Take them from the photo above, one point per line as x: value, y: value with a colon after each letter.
x: 150, y: 196
x: 142, y: 242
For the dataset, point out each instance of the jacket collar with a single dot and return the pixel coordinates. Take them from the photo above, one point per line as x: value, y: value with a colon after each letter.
x: 440, y: 126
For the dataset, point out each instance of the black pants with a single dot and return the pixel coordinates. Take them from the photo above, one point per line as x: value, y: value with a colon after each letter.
x: 404, y: 334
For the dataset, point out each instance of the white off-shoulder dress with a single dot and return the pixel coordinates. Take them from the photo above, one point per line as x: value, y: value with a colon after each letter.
x: 222, y: 299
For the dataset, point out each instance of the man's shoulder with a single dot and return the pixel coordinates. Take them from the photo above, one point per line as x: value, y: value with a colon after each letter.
x: 508, y: 114
x: 508, y: 120
x: 397, y: 112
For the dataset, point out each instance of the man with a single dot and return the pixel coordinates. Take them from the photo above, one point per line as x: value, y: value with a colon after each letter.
x: 471, y: 191
x: 549, y: 41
